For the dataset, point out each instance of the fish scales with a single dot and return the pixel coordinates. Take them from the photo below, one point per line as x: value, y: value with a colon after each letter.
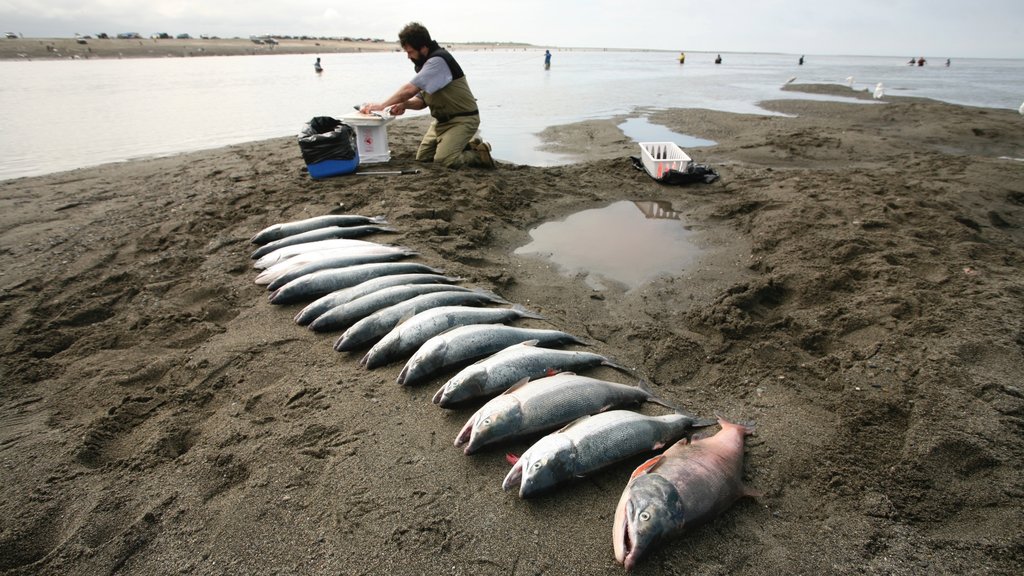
x: 340, y: 261
x: 467, y: 343
x: 346, y: 314
x: 378, y: 324
x: 289, y: 264
x: 591, y: 443
x: 325, y: 281
x: 345, y: 295
x: 329, y: 233
x: 500, y: 371
x: 283, y: 229
x: 582, y: 394
x: 287, y: 252
x: 602, y: 438
x: 544, y: 404
x: 406, y: 337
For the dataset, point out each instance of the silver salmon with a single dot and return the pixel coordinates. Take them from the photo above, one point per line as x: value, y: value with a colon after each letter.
x: 544, y: 404
x: 470, y: 343
x: 322, y: 305
x: 329, y: 233
x: 278, y: 231
x: 307, y: 247
x: 342, y: 261
x: 405, y: 338
x: 343, y: 316
x: 376, y: 325
x: 688, y: 484
x: 288, y: 265
x: 498, y: 372
x: 591, y: 443
x: 323, y: 282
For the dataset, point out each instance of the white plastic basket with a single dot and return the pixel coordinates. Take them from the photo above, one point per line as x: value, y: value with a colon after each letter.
x: 660, y: 157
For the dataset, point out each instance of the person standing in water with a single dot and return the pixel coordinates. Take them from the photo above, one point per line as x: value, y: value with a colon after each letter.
x: 547, y: 59
x: 317, y: 67
x: 801, y: 60
x: 718, y: 59
x: 682, y: 57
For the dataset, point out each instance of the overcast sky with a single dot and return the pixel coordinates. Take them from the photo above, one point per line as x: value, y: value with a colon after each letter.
x: 930, y: 28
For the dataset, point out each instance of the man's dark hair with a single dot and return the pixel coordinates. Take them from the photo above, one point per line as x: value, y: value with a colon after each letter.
x: 415, y: 35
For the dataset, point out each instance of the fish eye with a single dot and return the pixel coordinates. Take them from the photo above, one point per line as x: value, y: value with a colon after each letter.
x: 486, y: 422
x: 536, y: 465
x: 645, y: 516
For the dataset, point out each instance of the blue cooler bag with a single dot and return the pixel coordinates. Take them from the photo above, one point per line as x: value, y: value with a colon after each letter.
x: 329, y: 147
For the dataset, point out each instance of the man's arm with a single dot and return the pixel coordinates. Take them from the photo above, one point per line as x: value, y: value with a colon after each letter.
x: 405, y: 97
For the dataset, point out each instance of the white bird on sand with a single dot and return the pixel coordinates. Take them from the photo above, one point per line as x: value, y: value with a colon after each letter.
x: 879, y: 91
x: 849, y: 81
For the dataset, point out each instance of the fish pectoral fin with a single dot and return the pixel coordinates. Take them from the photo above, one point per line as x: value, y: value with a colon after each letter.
x: 405, y: 317
x: 517, y: 385
x: 573, y: 423
x: 647, y: 466
x: 511, y: 458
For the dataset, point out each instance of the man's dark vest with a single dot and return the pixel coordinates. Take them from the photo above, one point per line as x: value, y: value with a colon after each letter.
x: 453, y: 100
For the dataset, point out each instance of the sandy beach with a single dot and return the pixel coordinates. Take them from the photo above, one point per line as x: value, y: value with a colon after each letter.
x: 85, y: 48
x: 859, y: 298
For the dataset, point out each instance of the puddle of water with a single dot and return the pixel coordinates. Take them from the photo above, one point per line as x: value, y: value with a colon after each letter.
x: 630, y: 243
x: 641, y: 130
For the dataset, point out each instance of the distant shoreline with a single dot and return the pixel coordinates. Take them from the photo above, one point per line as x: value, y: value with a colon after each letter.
x: 88, y: 48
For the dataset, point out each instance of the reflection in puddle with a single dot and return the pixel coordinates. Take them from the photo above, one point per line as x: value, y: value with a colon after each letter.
x: 641, y: 130
x: 630, y: 243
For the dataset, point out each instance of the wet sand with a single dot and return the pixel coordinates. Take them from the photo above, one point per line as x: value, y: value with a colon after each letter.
x: 859, y: 299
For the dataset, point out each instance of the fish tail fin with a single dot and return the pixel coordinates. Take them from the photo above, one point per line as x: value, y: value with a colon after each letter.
x: 621, y: 368
x: 525, y: 313
x: 703, y: 422
x: 653, y: 398
x: 747, y: 428
x: 578, y: 341
x: 494, y: 297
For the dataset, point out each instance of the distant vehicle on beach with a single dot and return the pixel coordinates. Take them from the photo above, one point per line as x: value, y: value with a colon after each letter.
x: 10, y: 35
x: 129, y: 36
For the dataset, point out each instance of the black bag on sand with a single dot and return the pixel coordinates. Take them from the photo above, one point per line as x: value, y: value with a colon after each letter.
x: 693, y: 173
x: 326, y: 138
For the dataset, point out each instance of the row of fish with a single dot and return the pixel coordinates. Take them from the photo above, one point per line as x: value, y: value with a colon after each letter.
x: 402, y: 309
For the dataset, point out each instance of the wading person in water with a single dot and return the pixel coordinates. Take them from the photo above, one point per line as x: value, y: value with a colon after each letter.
x: 439, y: 84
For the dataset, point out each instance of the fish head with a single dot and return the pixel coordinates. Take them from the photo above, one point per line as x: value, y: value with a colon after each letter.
x: 495, y: 421
x: 549, y: 462
x: 649, y: 510
x: 465, y: 385
x: 428, y: 359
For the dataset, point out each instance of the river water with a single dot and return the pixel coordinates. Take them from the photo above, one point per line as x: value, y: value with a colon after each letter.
x: 66, y: 114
